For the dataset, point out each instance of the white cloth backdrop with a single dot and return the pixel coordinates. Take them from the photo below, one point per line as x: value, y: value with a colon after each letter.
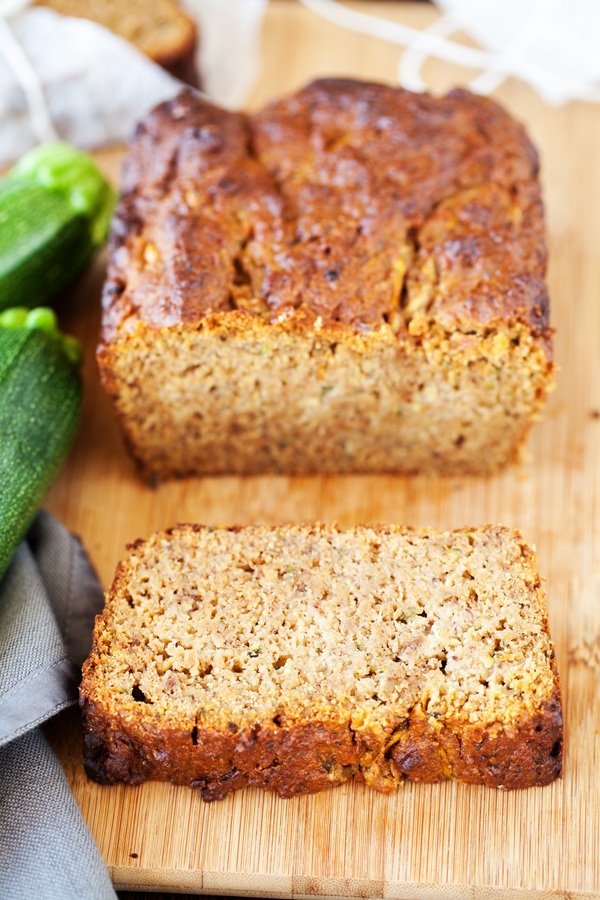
x: 73, y: 78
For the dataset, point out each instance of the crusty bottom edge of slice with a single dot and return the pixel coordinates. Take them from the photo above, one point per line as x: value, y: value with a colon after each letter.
x: 313, y: 756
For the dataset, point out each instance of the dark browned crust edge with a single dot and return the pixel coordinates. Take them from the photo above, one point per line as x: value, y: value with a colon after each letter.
x: 309, y: 757
x: 289, y: 761
x: 528, y: 754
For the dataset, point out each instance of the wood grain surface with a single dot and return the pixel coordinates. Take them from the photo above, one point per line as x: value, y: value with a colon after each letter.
x: 425, y: 841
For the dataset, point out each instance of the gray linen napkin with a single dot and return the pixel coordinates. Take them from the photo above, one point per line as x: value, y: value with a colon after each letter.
x: 48, y: 600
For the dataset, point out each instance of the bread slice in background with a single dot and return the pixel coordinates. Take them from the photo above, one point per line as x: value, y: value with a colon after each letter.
x: 159, y: 28
x: 295, y: 658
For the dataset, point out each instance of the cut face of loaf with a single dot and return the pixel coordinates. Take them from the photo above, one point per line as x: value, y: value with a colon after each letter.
x: 350, y: 280
x: 295, y: 658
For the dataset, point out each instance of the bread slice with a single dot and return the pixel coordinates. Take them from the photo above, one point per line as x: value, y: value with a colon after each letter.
x: 295, y: 658
x: 350, y: 280
x: 159, y: 28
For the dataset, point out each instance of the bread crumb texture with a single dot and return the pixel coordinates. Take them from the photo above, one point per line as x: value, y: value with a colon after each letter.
x: 351, y: 279
x: 298, y: 657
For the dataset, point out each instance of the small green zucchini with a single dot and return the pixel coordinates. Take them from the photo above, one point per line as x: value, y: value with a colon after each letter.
x: 40, y: 396
x: 55, y: 209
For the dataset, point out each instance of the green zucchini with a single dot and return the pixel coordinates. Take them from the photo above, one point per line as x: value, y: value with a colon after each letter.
x: 55, y: 209
x: 40, y: 395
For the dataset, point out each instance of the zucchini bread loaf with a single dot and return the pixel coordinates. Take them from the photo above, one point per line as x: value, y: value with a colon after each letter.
x: 296, y: 658
x: 350, y: 280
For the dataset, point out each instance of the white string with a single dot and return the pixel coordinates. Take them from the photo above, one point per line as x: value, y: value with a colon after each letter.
x: 397, y: 33
x: 41, y: 123
x: 554, y: 86
x: 491, y: 79
x: 413, y: 58
x: 411, y: 61
x: 487, y: 82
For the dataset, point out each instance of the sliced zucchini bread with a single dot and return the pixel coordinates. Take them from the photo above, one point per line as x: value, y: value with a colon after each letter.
x: 296, y: 658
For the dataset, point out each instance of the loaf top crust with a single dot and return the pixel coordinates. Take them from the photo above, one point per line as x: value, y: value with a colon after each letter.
x: 232, y: 627
x: 349, y: 206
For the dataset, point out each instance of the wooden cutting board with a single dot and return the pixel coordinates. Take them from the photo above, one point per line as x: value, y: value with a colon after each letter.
x: 426, y: 841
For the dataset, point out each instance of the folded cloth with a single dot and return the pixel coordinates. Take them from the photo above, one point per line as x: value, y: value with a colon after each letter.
x: 48, y: 600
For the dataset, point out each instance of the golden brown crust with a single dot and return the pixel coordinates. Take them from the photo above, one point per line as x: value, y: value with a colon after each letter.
x: 292, y: 750
x: 321, y: 202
